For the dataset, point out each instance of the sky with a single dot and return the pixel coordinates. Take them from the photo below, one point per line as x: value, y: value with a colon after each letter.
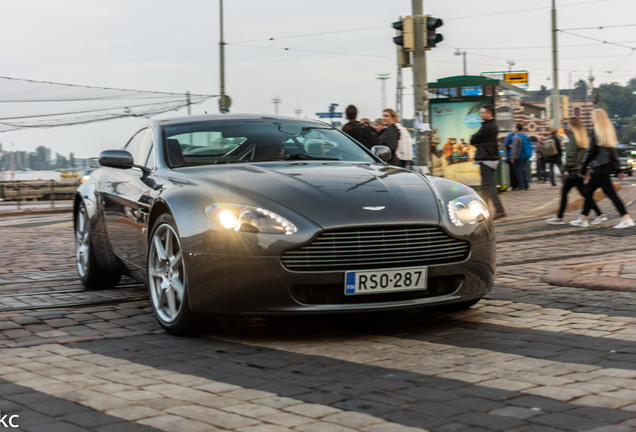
x: 307, y: 54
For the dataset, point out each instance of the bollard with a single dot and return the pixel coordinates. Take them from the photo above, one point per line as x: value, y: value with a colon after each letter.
x: 18, y: 197
x: 52, y: 194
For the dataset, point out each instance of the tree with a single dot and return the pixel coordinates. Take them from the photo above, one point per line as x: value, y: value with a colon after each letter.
x: 580, y: 84
x: 632, y: 84
x: 616, y: 100
x: 628, y: 133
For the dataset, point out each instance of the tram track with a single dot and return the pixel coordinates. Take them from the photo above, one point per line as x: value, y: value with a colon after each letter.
x: 70, y: 298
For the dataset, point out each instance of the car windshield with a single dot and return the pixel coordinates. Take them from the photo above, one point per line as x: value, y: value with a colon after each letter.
x: 236, y: 141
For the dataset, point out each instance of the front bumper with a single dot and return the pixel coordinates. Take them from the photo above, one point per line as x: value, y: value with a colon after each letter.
x: 241, y: 284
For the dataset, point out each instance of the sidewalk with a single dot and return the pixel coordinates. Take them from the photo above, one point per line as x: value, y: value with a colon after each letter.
x: 528, y: 210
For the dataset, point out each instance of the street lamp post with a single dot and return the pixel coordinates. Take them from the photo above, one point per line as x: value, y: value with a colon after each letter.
x: 463, y: 54
x: 383, y: 77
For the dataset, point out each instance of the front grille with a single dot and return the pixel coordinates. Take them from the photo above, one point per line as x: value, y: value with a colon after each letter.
x: 377, y: 248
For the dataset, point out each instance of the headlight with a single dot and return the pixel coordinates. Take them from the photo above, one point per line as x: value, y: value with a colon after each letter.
x: 249, y: 219
x: 467, y: 210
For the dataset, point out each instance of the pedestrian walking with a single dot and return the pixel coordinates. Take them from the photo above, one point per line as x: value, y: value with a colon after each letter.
x: 602, y: 157
x: 540, y: 160
x: 575, y: 148
x: 518, y: 158
x: 553, y: 154
x: 487, y: 156
x: 391, y: 134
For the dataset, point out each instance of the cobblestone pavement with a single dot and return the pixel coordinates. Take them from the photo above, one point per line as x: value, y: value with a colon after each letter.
x: 538, y: 354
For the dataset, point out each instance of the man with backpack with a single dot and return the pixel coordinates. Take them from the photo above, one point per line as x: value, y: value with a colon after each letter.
x: 520, y: 152
x: 514, y: 183
x: 361, y: 132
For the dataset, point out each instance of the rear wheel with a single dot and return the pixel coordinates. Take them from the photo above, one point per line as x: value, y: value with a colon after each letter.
x: 90, y: 273
x: 167, y: 283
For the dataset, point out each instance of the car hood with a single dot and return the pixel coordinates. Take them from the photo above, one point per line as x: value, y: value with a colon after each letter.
x: 332, y: 193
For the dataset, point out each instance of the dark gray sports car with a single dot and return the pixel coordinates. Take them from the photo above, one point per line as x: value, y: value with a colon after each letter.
x: 238, y: 214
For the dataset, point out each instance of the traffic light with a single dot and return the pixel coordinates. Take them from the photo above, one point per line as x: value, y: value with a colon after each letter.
x: 432, y: 38
x: 405, y: 40
x: 405, y: 37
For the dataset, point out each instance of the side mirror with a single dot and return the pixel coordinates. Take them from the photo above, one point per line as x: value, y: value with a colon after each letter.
x: 116, y: 159
x: 383, y: 152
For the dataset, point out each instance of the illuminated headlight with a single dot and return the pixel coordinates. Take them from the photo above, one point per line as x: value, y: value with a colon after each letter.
x: 249, y: 219
x: 467, y: 210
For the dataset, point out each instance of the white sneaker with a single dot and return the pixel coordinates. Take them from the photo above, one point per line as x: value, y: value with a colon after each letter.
x: 555, y: 221
x: 580, y: 222
x: 625, y: 223
x: 599, y: 219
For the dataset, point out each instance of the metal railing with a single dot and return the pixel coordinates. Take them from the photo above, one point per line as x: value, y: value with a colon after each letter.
x: 23, y: 191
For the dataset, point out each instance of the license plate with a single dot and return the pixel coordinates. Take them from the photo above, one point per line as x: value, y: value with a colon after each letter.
x: 378, y: 282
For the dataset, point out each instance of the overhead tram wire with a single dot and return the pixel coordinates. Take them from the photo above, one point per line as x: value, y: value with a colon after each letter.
x: 146, y: 93
x: 311, y: 51
x: 117, y: 101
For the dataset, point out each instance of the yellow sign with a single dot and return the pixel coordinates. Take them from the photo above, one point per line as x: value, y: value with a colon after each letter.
x: 516, y: 77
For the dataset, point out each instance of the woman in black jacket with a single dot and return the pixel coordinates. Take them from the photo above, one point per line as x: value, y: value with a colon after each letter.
x: 578, y: 142
x: 603, y: 158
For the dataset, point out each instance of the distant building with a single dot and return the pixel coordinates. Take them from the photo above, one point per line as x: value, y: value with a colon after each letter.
x: 531, y: 110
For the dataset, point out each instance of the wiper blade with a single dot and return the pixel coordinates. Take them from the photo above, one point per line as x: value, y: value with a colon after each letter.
x: 297, y: 156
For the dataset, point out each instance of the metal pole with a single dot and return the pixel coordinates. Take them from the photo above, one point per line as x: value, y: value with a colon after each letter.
x: 420, y: 85
x: 383, y: 78
x: 398, y: 93
x: 556, y: 102
x: 222, y: 102
x: 52, y: 183
x: 464, y: 55
x: 188, y: 102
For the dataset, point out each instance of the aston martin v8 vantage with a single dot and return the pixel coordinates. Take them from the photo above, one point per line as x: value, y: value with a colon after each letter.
x: 247, y: 214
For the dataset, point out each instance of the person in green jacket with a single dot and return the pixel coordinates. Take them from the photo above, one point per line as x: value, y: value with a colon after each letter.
x: 575, y: 149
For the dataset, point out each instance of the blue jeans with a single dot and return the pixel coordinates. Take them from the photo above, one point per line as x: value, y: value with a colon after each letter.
x: 519, y: 167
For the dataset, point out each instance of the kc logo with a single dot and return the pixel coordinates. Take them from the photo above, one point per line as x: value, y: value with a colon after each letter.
x: 7, y: 421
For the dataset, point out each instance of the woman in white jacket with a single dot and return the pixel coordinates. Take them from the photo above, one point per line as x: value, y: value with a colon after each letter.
x: 404, y: 149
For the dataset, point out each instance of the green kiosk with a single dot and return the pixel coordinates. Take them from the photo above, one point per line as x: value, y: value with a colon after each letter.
x: 454, y: 113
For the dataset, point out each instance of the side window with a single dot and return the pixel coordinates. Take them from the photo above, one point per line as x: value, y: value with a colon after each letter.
x: 140, y: 146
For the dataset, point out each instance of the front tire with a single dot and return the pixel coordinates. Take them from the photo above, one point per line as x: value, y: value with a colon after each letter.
x: 167, y: 282
x: 90, y: 273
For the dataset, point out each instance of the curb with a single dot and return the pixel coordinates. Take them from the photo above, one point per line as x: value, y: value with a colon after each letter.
x: 564, y: 278
x: 34, y: 212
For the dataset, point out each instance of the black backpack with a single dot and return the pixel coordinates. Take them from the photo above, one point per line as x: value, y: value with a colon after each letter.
x: 365, y: 135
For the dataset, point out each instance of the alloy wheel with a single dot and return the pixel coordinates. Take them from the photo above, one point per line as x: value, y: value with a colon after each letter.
x: 166, y: 276
x: 82, y: 242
